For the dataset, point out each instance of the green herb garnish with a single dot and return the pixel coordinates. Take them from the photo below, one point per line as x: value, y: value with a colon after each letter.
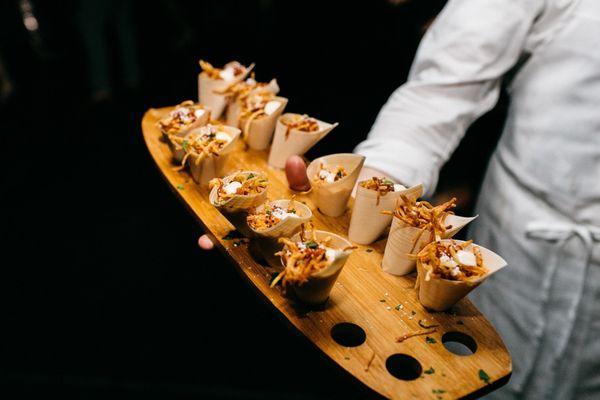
x: 369, y: 250
x: 311, y: 245
x: 484, y: 376
x: 184, y: 145
x: 438, y: 391
x: 430, y: 371
x: 398, y: 307
x: 180, y: 187
x: 250, y: 176
x: 413, y: 312
x: 339, y: 174
x: 430, y: 340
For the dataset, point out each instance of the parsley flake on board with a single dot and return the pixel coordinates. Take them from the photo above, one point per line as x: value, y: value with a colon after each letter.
x: 430, y: 371
x: 398, y: 307
x: 484, y: 376
x: 180, y: 187
x: 430, y: 340
x: 438, y: 391
x: 382, y: 301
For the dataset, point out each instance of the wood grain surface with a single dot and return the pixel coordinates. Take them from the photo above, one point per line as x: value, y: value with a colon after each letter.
x: 384, y: 306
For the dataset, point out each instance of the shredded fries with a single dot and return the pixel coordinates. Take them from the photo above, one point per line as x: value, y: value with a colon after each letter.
x: 421, y: 214
x: 327, y: 174
x: 452, y: 261
x: 382, y: 185
x: 302, y: 123
x: 181, y: 118
x: 269, y: 216
x: 304, y: 258
x: 217, y: 73
x: 242, y: 184
x: 207, y: 142
x: 420, y: 332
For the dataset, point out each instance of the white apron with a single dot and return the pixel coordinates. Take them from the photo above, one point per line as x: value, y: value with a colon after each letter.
x: 540, y: 205
x: 540, y: 202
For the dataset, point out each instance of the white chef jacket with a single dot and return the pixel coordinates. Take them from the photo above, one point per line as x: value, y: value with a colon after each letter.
x: 540, y: 201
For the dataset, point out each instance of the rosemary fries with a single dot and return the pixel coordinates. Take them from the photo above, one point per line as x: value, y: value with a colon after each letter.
x: 302, y: 123
x: 451, y: 260
x: 183, y: 118
x: 328, y: 174
x: 239, y: 184
x: 422, y: 215
x: 305, y: 257
x: 207, y: 141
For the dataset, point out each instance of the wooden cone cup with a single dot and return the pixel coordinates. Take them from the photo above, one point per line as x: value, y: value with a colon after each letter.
x: 331, y: 198
x: 234, y: 108
x: 295, y: 142
x: 201, y: 121
x: 268, y: 239
x: 367, y: 222
x: 404, y: 240
x: 259, y: 132
x: 287, y: 226
x: 441, y: 294
x: 210, y: 167
x: 208, y: 89
x: 239, y: 202
x: 319, y: 285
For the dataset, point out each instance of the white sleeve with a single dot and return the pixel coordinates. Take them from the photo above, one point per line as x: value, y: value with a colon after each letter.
x: 455, y: 78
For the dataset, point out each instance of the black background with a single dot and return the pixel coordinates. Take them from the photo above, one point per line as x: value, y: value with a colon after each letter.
x: 106, y: 293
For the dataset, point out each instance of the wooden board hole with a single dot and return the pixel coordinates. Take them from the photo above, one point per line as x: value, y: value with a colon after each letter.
x: 348, y: 334
x: 459, y: 343
x: 403, y: 367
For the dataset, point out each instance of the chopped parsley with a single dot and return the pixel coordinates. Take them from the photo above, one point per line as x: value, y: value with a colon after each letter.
x: 430, y: 371
x: 484, y: 376
x: 250, y: 176
x: 398, y: 307
x: 184, y: 145
x: 369, y: 250
x: 430, y: 340
x: 438, y: 391
x: 180, y: 187
x: 339, y: 174
x: 311, y: 245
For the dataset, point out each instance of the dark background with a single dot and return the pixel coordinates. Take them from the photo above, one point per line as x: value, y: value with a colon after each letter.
x: 106, y: 293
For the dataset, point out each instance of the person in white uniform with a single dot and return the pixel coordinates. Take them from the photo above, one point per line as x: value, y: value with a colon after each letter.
x: 539, y: 205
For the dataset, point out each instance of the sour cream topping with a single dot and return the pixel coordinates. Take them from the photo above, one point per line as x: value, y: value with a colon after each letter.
x: 227, y: 74
x: 398, y: 187
x: 466, y: 258
x: 222, y: 136
x: 232, y: 187
x: 272, y: 106
x: 326, y: 176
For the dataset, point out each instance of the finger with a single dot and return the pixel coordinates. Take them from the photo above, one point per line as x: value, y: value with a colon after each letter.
x: 205, y: 243
x: 295, y: 171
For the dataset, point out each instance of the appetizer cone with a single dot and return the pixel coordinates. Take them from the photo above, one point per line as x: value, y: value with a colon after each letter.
x: 405, y: 239
x: 253, y: 183
x: 292, y: 138
x: 439, y: 294
x: 238, y: 92
x: 282, y: 224
x: 258, y: 128
x: 206, y: 150
x: 367, y: 222
x: 182, y: 119
x: 212, y: 80
x: 314, y: 286
x: 332, y: 194
x: 275, y: 219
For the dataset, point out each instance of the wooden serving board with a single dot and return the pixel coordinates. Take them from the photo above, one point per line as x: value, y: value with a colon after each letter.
x: 384, y: 306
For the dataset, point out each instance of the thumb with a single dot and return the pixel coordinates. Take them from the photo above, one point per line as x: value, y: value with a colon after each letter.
x: 205, y: 243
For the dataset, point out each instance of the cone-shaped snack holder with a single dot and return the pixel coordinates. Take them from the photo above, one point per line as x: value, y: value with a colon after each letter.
x: 332, y: 198
x: 367, y: 222
x: 288, y: 142
x: 440, y: 294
